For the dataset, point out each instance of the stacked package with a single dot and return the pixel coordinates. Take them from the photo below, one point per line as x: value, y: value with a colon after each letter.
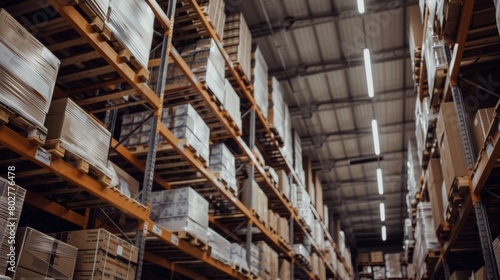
x: 206, y: 62
x: 238, y: 42
x: 284, y: 229
x: 297, y: 158
x: 317, y: 234
x: 221, y: 248
x: 276, y: 114
x: 293, y: 194
x: 288, y: 138
x: 268, y: 261
x: 300, y: 250
x: 181, y: 209
x: 414, y: 171
x: 232, y: 103
x: 415, y: 31
x: 378, y: 272
x: 127, y: 184
x: 330, y: 254
x: 238, y: 256
x: 272, y: 220
x: 435, y: 59
x: 9, y: 213
x: 80, y: 134
x: 424, y: 119
x: 254, y: 259
x: 259, y: 199
x: 377, y: 257
x: 284, y: 183
x: 284, y: 269
x: 260, y: 81
x: 22, y: 56
x: 425, y: 237
x: 40, y: 256
x: 363, y: 257
x: 222, y: 163
x: 393, y: 265
x: 304, y: 206
x: 101, y: 254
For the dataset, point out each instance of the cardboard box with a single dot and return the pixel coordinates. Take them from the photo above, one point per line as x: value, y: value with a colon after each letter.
x: 480, y: 274
x: 435, y: 182
x: 481, y: 126
x: 284, y: 269
x: 100, y: 239
x: 450, y: 146
x: 284, y: 184
x: 42, y: 254
x: 99, y: 261
x: 460, y: 275
x: 319, y: 196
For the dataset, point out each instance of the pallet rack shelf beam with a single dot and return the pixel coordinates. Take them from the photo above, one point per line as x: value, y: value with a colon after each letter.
x: 160, y: 15
x: 75, y: 19
x: 161, y: 262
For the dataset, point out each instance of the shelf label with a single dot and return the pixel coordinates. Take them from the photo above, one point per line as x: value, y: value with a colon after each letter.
x: 119, y: 250
x: 157, y: 230
x: 174, y: 239
x: 43, y: 156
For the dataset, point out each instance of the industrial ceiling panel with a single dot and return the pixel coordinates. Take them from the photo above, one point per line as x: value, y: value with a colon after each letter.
x: 328, y: 43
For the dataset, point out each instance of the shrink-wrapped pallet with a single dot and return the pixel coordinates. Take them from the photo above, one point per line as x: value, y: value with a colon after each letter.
x: 232, y: 103
x: 181, y: 210
x: 300, y: 250
x: 223, y: 164
x: 287, y: 150
x: 303, y: 205
x: 40, y: 256
x: 260, y: 81
x: 221, y: 248
x: 276, y: 112
x: 393, y: 265
x: 268, y: 261
x: 80, y: 134
x: 259, y: 199
x: 238, y: 43
x: 28, y: 71
x: 239, y: 256
x: 12, y: 198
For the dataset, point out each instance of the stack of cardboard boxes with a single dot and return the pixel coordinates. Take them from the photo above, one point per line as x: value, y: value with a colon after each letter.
x: 259, y: 199
x: 260, y: 81
x: 393, y: 266
x: 268, y: 261
x: 221, y: 248
x: 303, y: 205
x: 223, y: 165
x: 181, y: 209
x: 284, y: 269
x: 276, y: 113
x: 238, y: 42
x: 238, y: 256
x: 300, y: 251
x: 28, y: 71
x: 425, y: 238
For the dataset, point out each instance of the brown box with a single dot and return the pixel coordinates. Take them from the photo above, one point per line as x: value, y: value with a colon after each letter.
x: 435, y: 182
x: 450, y: 145
x: 460, y: 275
x: 363, y: 257
x: 284, y: 269
x: 481, y: 126
x: 319, y: 196
x: 284, y: 184
x: 104, y: 264
x: 377, y: 257
x: 41, y: 254
x: 480, y: 274
x: 415, y: 30
x: 96, y: 239
x: 311, y: 189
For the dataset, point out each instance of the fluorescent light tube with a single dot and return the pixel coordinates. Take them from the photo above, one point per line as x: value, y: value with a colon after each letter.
x: 376, y: 142
x: 380, y: 181
x: 369, y: 75
x: 382, y: 212
x: 361, y: 6
x: 384, y: 233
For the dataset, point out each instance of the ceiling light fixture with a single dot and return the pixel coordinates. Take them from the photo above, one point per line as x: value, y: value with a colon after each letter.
x: 380, y: 181
x: 369, y: 75
x: 376, y: 143
x: 382, y: 212
x: 361, y: 6
x: 384, y: 233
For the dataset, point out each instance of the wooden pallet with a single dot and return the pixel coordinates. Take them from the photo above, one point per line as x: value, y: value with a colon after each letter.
x: 193, y: 240
x: 34, y: 134
x: 256, y: 215
x: 54, y: 147
x: 238, y: 267
x: 278, y: 137
x: 244, y: 78
x: 98, y: 25
x: 443, y: 232
x: 304, y: 262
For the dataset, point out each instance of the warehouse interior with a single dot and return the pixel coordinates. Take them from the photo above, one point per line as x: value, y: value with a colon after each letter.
x: 265, y: 139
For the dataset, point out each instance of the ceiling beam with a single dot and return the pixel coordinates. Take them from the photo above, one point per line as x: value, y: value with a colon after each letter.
x: 378, y: 198
x: 290, y: 23
x: 337, y: 104
x: 343, y: 162
x: 324, y: 67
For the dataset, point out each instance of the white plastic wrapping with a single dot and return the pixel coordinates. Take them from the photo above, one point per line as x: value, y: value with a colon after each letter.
x: 221, y: 248
x: 303, y: 205
x: 232, y: 103
x: 259, y: 199
x: 239, y: 256
x: 299, y: 249
x: 260, y: 81
x: 288, y: 148
x: 28, y: 71
x: 276, y: 115
x: 393, y: 265
x: 80, y: 134
x: 268, y: 261
x: 223, y: 163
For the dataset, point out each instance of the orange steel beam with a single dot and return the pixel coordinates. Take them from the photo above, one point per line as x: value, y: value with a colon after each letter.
x: 189, y: 156
x: 186, y: 247
x: 55, y: 209
x: 462, y: 30
x: 161, y: 262
x: 75, y: 19
x: 160, y: 15
x: 113, y: 196
x: 227, y: 231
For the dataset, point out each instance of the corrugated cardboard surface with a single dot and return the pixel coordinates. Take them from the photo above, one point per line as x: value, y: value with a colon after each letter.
x: 481, y: 126
x: 435, y: 182
x: 100, y: 263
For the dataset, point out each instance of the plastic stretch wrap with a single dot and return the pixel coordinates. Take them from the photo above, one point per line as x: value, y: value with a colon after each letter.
x: 81, y: 135
x: 185, y: 194
x: 303, y: 205
x: 222, y: 162
x: 221, y: 248
x: 6, y: 214
x: 232, y: 103
x: 299, y: 249
x: 259, y: 199
x: 126, y: 183
x: 276, y: 114
x: 288, y: 148
x: 425, y: 237
x: 268, y: 261
x: 238, y: 42
x: 22, y: 56
x: 260, y: 81
x: 378, y: 272
x: 180, y: 209
x: 393, y: 265
x: 177, y: 224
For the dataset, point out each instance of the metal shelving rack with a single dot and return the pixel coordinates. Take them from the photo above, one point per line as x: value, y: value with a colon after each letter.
x: 472, y: 221
x: 147, y: 229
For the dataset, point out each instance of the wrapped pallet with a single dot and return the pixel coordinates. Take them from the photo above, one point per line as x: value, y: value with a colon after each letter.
x: 284, y: 269
x: 238, y: 43
x: 284, y: 229
x: 425, y: 238
x: 222, y: 163
x: 238, y: 256
x: 101, y: 254
x: 73, y: 130
x: 300, y: 251
x: 127, y: 184
x: 28, y: 71
x: 268, y: 261
x: 232, y: 104
x: 260, y: 81
x: 276, y: 112
x: 259, y: 200
x: 393, y: 265
x: 221, y: 248
x: 254, y: 259
x: 129, y: 21
x: 9, y: 213
x: 297, y: 157
x: 187, y: 22
x: 303, y: 205
x: 40, y: 256
x: 181, y: 210
x: 287, y: 150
